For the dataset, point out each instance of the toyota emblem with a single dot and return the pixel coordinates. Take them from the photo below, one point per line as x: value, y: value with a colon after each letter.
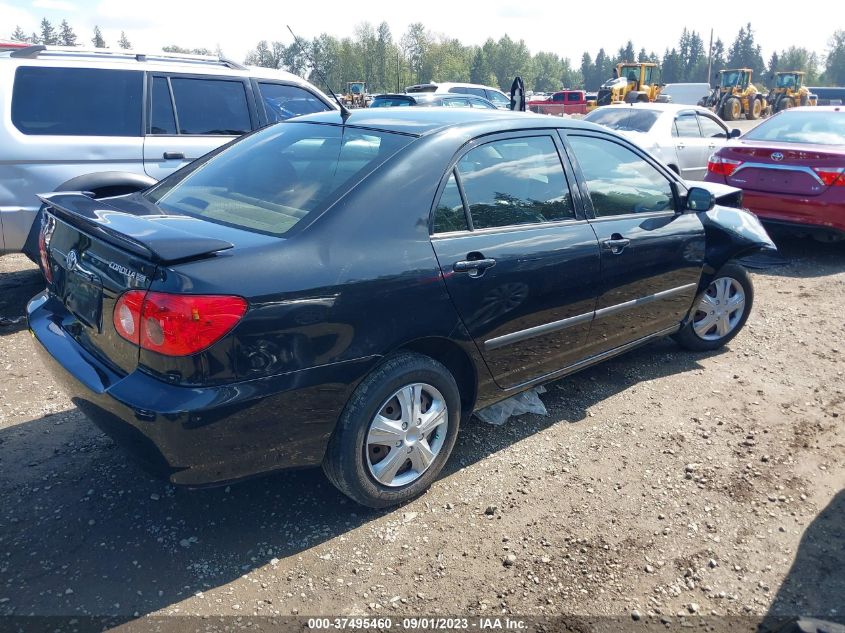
x: 777, y: 156
x: 71, y: 259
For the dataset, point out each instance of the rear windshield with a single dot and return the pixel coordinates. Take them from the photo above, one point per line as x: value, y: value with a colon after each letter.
x: 387, y: 102
x: 77, y: 101
x: 801, y: 126
x: 625, y: 119
x: 268, y: 181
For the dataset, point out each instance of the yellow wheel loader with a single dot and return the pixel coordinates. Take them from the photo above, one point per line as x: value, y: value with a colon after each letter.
x: 632, y: 82
x: 789, y: 91
x: 736, y: 96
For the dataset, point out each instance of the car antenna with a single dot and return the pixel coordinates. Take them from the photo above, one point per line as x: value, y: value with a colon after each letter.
x: 344, y: 111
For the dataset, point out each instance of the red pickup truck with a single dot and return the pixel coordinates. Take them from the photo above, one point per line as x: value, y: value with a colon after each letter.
x: 560, y: 103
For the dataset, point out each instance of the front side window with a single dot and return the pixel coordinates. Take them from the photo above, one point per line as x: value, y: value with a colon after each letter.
x: 620, y: 181
x: 283, y: 102
x: 268, y: 181
x: 456, y: 103
x: 481, y: 103
x: 498, y: 99
x: 77, y: 101
x: 686, y: 126
x: 211, y: 106
x: 515, y: 181
x: 710, y: 128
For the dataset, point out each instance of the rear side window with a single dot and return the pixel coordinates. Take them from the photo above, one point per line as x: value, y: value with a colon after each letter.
x: 624, y: 119
x: 515, y: 181
x: 686, y: 126
x: 77, y: 101
x: 211, y: 106
x: 283, y: 102
x: 268, y: 181
x: 162, y: 120
x: 449, y: 214
x: 467, y: 90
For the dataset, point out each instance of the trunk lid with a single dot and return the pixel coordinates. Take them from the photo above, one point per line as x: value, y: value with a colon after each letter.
x: 92, y: 252
x: 783, y: 168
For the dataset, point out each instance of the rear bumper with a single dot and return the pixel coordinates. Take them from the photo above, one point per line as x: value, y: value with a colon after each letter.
x: 200, y: 436
x: 812, y: 214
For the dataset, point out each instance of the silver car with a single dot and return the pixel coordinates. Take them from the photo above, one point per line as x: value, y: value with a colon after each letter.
x: 681, y: 136
x: 114, y: 121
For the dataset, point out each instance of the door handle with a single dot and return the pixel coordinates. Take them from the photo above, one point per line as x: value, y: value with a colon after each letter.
x: 475, y: 267
x: 616, y: 244
x: 174, y: 156
x: 681, y: 146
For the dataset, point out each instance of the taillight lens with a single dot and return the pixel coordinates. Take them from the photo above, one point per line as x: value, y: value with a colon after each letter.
x: 722, y: 166
x: 831, y: 175
x: 174, y: 324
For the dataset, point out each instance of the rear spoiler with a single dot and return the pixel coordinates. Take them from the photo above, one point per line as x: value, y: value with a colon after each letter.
x: 138, y: 234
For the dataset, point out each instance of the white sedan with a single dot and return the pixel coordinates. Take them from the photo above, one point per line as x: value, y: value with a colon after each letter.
x: 681, y: 136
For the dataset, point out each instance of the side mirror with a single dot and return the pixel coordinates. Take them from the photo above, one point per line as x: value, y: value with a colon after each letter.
x: 699, y: 199
x: 735, y: 133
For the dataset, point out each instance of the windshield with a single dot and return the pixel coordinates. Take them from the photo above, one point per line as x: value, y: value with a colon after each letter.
x: 731, y: 78
x: 624, y: 119
x: 268, y: 181
x: 802, y: 126
x: 630, y: 73
x: 788, y: 81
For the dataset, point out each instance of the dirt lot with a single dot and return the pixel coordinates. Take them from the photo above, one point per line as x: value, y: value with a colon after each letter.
x: 662, y: 482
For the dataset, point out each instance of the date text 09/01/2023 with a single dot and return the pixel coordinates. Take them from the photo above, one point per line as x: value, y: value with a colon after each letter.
x: 418, y: 623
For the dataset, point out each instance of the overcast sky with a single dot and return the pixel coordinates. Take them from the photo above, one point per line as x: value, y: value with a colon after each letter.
x: 546, y: 25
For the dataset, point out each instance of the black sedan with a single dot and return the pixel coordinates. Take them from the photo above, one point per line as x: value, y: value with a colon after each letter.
x: 426, y: 99
x: 345, y: 291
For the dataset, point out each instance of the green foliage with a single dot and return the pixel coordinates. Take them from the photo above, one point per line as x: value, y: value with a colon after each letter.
x: 124, y: 42
x: 66, y: 35
x: 834, y: 65
x: 48, y: 33
x: 19, y: 35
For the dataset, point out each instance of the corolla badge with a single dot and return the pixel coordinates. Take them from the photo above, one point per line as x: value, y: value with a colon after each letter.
x: 71, y: 259
x: 777, y: 156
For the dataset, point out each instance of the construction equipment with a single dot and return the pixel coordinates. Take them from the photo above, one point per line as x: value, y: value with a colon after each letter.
x: 632, y: 82
x: 736, y: 96
x: 356, y: 94
x: 789, y: 91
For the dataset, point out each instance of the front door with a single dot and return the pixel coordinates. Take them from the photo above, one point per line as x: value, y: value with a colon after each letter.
x: 651, y: 255
x: 521, y: 267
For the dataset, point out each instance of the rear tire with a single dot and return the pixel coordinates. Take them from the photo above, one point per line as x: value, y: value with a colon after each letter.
x: 380, y: 425
x: 720, y: 312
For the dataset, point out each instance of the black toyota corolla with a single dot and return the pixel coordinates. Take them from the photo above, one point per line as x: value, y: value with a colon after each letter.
x: 343, y: 292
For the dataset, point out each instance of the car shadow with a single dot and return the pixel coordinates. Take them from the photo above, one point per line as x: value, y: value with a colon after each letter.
x: 16, y: 289
x: 806, y: 257
x: 83, y: 531
x: 814, y: 587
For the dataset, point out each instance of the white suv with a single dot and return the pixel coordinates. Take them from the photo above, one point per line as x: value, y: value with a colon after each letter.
x: 494, y: 95
x: 113, y: 122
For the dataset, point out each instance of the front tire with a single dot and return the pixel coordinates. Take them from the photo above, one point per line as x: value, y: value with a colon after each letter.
x: 720, y: 312
x: 396, y: 432
x: 732, y: 110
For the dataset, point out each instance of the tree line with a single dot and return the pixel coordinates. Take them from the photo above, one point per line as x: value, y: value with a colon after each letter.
x: 387, y: 64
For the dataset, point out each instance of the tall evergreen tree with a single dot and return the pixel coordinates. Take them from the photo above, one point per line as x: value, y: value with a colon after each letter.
x: 66, y: 35
x: 19, y: 35
x: 124, y: 42
x: 834, y: 64
x: 48, y: 33
x: 98, y: 40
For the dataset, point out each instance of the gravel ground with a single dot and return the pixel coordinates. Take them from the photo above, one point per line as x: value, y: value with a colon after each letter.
x: 662, y: 483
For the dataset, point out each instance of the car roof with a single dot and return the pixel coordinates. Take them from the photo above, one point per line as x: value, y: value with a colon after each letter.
x: 424, y: 121
x: 659, y: 107
x: 141, y: 60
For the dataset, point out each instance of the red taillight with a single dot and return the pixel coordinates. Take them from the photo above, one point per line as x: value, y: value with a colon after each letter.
x: 831, y: 175
x: 175, y: 325
x: 722, y: 166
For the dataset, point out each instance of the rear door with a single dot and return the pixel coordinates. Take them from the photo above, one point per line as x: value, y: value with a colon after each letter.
x: 690, y: 147
x: 651, y: 255
x: 520, y: 263
x: 190, y: 115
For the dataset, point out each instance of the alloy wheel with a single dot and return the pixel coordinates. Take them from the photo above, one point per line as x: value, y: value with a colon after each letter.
x: 720, y: 309
x: 406, y: 435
